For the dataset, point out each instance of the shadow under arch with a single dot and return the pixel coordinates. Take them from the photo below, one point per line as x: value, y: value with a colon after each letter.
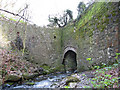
x: 70, y: 59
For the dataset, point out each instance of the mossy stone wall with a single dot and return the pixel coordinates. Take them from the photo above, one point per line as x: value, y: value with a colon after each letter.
x: 94, y: 36
x: 43, y: 44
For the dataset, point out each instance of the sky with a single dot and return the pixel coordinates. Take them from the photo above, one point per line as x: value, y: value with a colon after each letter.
x: 40, y: 9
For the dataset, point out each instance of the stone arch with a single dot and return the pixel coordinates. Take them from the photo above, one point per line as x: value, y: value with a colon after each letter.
x: 70, y: 59
x: 69, y: 48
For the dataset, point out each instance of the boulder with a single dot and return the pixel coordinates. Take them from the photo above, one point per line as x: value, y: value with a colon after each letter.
x: 12, y: 77
x: 27, y: 76
x: 71, y: 79
x: 39, y: 70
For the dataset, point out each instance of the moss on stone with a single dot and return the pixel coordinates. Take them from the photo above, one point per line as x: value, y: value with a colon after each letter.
x: 12, y: 77
x: 30, y: 83
x: 71, y: 79
x: 10, y: 83
x: 27, y: 76
x: 47, y: 69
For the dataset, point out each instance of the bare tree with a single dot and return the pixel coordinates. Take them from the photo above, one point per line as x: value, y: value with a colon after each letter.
x: 22, y: 14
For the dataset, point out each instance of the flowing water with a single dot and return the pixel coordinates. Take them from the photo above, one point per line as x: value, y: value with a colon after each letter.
x: 47, y: 81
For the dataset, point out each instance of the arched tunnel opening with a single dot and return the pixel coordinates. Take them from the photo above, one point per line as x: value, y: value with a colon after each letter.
x: 69, y: 61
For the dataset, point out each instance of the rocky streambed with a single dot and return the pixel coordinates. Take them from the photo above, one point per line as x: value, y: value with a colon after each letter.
x: 59, y: 80
x: 100, y: 78
x: 24, y: 74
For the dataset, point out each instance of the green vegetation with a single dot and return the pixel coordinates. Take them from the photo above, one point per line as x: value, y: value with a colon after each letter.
x: 1, y: 15
x: 89, y: 59
x: 21, y: 21
x: 66, y: 87
x: 13, y: 19
x: 105, y: 78
x: 98, y: 16
x: 108, y: 83
x: 47, y: 69
x: 96, y: 8
x: 71, y: 79
x: 30, y: 83
x: 117, y: 54
x: 103, y: 65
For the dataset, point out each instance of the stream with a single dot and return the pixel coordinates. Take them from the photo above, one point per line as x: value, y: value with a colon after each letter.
x: 43, y: 81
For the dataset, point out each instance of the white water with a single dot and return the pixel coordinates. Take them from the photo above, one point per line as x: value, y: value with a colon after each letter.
x: 49, y: 82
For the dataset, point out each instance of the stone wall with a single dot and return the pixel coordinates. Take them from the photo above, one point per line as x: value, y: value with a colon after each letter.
x: 97, y: 39
x: 43, y: 43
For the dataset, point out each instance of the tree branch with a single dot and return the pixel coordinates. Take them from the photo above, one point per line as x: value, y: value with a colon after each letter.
x: 14, y: 14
